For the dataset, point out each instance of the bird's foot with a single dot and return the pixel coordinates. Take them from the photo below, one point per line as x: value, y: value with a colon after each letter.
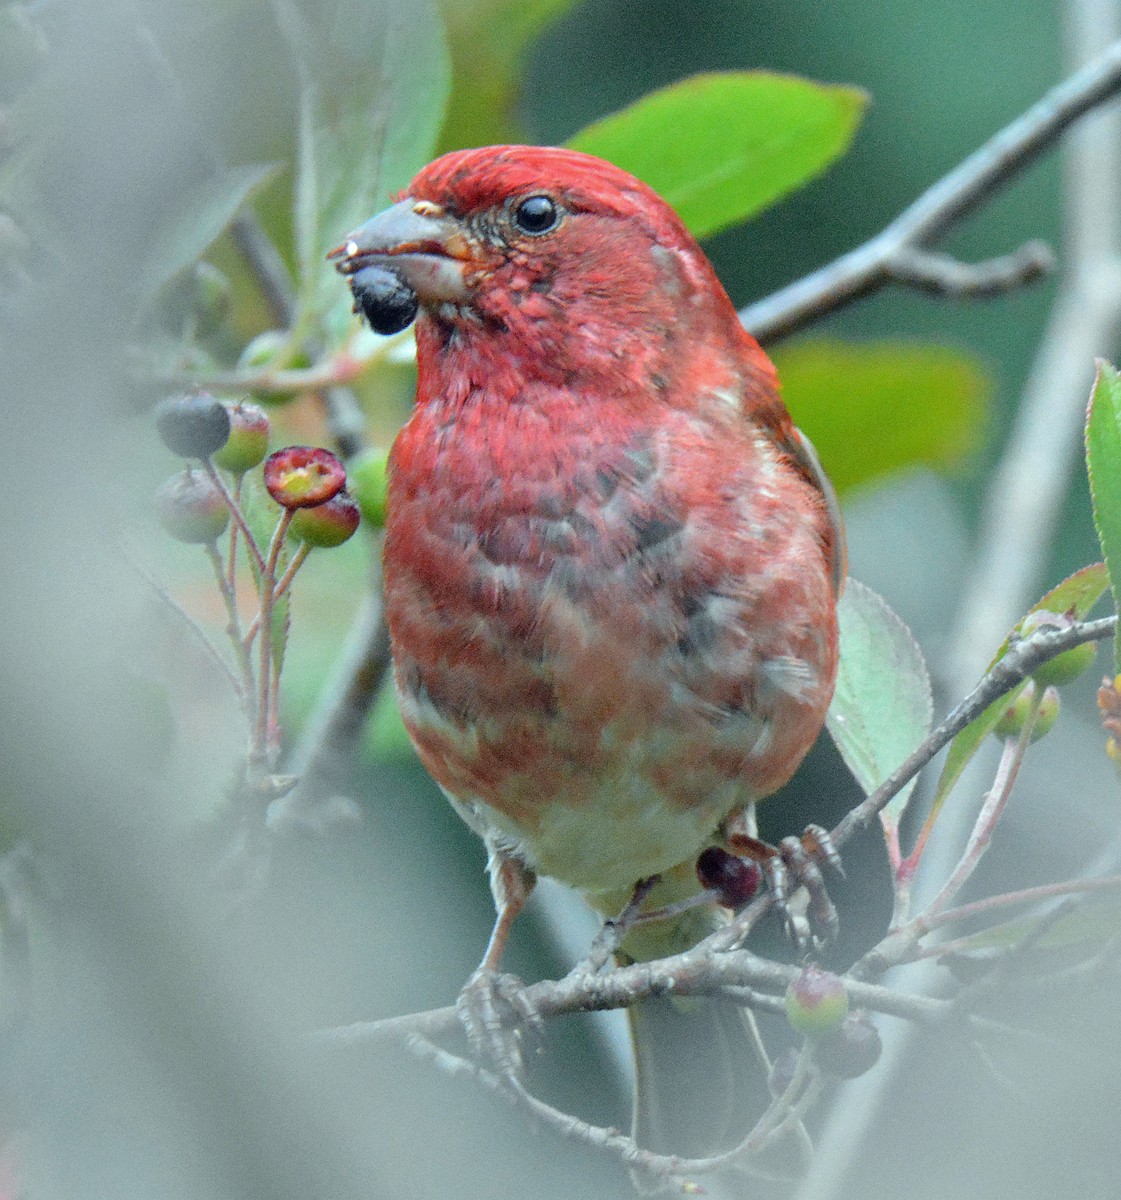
x: 793, y: 865
x: 495, y: 1013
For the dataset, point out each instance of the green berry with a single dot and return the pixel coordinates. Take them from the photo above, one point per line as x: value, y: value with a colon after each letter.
x: 1011, y: 723
x: 368, y: 477
x: 248, y: 442
x: 1065, y: 667
x: 816, y: 1002
x: 271, y: 349
x: 191, y: 508
x: 326, y: 525
x: 192, y: 426
x: 211, y: 299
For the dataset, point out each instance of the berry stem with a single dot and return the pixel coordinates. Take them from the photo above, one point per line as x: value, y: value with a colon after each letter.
x: 227, y: 585
x: 286, y: 579
x: 236, y: 514
x: 265, y: 734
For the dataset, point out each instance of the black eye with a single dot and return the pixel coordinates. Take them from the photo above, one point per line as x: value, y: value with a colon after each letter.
x: 538, y: 214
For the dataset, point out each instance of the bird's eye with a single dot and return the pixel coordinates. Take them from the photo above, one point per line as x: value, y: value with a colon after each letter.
x: 536, y: 215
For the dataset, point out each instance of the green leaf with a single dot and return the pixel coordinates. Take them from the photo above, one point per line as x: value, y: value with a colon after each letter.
x: 882, y: 704
x: 874, y: 408
x: 722, y: 147
x: 1103, y: 464
x: 202, y: 216
x: 486, y: 70
x: 1075, y: 597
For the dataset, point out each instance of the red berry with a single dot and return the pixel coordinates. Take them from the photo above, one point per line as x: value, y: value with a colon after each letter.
x: 193, y: 426
x: 328, y: 524
x: 191, y: 508
x: 248, y: 442
x: 303, y: 476
x: 816, y: 1002
x: 736, y: 879
x: 851, y: 1049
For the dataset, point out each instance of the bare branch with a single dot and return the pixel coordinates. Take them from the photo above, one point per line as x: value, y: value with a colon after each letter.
x: 871, y: 266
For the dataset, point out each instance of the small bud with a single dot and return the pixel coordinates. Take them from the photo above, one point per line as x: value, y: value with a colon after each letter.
x: 191, y: 508
x: 192, y: 426
x: 368, y: 476
x: 853, y: 1048
x: 816, y: 1002
x: 384, y: 299
x: 303, y: 476
x: 326, y: 525
x: 782, y: 1071
x: 736, y: 879
x: 1011, y: 723
x: 248, y: 442
x: 1065, y: 667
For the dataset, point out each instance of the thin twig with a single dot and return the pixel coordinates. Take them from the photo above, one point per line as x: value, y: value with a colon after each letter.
x: 888, y: 257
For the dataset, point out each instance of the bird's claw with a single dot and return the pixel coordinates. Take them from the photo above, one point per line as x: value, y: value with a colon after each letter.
x: 495, y: 1011
x: 794, y: 864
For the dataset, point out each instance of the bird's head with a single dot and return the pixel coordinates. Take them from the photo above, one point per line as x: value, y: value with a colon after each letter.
x: 526, y: 243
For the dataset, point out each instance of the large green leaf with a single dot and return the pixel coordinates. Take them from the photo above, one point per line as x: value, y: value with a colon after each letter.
x: 1103, y: 463
x: 874, y: 408
x: 882, y: 704
x: 722, y: 147
x: 488, y: 40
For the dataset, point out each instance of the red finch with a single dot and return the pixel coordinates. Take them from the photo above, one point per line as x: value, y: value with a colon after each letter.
x: 611, y: 560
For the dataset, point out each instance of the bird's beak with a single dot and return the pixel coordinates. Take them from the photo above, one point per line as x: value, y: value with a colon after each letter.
x: 420, y: 242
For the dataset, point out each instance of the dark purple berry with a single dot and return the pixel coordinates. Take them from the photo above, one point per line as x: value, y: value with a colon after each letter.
x: 192, y: 426
x: 303, y: 476
x: 328, y: 524
x: 851, y: 1049
x: 191, y: 508
x: 383, y: 298
x: 736, y: 879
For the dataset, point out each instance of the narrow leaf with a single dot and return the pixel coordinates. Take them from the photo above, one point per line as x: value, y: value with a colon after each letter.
x: 1075, y: 597
x: 882, y: 705
x: 202, y: 214
x: 874, y: 408
x: 1103, y: 464
x: 722, y: 147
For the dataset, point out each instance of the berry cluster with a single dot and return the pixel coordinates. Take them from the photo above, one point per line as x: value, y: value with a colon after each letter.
x: 224, y: 440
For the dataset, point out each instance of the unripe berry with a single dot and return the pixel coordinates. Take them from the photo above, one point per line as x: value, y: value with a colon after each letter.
x: 851, y: 1049
x: 270, y: 349
x: 248, y: 442
x: 736, y: 879
x: 326, y: 525
x: 816, y: 1002
x: 367, y: 476
x: 191, y: 508
x: 1065, y: 667
x: 303, y: 476
x: 1011, y: 723
x: 383, y: 298
x: 192, y: 426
